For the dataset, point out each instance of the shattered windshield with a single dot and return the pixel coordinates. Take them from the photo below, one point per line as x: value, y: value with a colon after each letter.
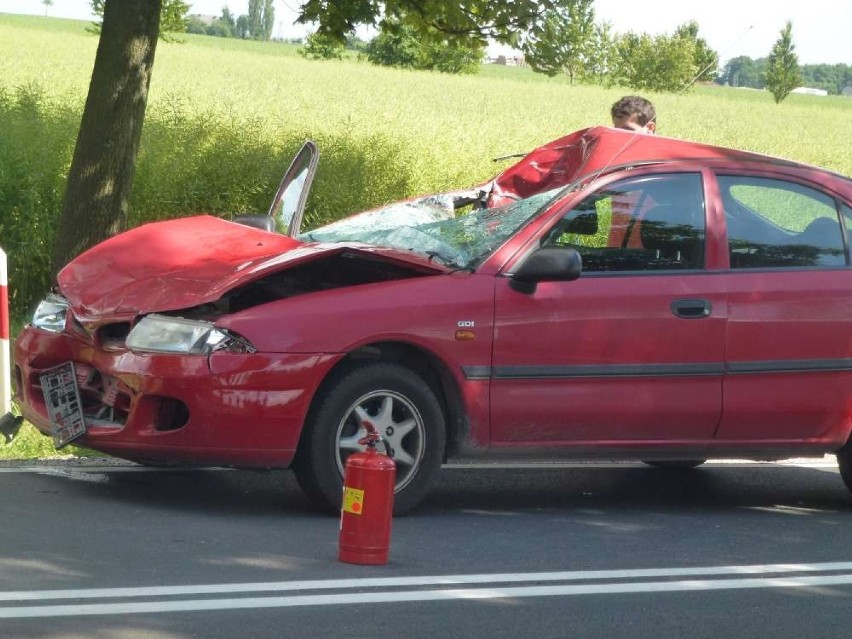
x: 430, y: 226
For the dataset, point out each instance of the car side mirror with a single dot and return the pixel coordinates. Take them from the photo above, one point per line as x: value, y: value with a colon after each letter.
x: 547, y: 265
x: 288, y: 205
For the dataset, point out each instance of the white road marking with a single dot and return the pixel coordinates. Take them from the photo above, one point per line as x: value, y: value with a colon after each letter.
x: 719, y: 578
x: 425, y: 580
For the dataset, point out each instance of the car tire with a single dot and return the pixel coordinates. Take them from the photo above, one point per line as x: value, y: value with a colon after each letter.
x: 844, y: 463
x: 404, y: 410
x: 676, y: 464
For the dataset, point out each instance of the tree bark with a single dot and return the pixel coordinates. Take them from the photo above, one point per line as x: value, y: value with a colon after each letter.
x: 101, y: 173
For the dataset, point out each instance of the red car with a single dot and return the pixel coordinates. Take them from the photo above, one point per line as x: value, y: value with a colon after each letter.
x: 613, y: 295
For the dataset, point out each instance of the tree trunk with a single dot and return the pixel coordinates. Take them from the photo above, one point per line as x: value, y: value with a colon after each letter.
x: 101, y: 173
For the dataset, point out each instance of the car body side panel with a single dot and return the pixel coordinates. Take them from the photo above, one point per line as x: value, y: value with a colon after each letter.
x: 448, y: 317
x: 425, y: 310
x: 603, y: 360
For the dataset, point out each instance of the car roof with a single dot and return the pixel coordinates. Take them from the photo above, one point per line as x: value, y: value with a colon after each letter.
x: 597, y: 149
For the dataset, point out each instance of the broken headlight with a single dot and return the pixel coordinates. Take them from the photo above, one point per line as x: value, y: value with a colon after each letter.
x: 51, y: 313
x: 164, y: 334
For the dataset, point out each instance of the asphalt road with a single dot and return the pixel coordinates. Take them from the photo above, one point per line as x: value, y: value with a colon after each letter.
x: 604, y: 550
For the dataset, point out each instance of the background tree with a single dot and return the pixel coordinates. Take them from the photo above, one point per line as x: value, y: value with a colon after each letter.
x: 101, y: 174
x: 782, y: 71
x: 220, y: 27
x: 561, y: 40
x: 228, y: 17
x: 500, y: 20
x: 255, y: 18
x: 661, y: 63
x: 600, y: 53
x: 354, y: 43
x: 320, y: 47
x: 706, y: 60
x: 224, y: 26
x: 822, y: 76
x: 395, y: 45
x: 194, y: 24
x: 450, y: 56
x: 742, y: 71
x: 259, y: 22
x: 47, y: 4
x: 242, y: 28
x: 400, y: 44
x: 267, y: 20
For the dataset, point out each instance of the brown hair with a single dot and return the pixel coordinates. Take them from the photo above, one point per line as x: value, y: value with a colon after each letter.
x: 634, y: 105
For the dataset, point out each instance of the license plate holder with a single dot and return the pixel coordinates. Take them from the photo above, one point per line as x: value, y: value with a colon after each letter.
x: 64, y: 408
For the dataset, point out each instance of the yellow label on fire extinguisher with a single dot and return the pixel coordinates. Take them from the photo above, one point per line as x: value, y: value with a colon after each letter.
x: 353, y: 500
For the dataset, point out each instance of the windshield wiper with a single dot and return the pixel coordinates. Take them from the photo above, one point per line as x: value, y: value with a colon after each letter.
x: 448, y: 261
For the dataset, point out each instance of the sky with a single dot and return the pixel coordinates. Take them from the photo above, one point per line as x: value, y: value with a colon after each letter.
x: 822, y: 29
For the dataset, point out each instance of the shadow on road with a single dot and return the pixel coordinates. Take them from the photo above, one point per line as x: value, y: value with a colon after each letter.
x: 636, y: 487
x: 521, y: 489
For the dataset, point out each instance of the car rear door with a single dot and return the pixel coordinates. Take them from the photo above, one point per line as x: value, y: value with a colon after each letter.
x: 631, y: 353
x: 789, y: 339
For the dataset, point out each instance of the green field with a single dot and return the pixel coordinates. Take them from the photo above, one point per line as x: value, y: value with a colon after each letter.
x: 225, y: 116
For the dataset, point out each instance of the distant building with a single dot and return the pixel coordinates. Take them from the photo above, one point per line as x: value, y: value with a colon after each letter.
x: 206, y: 20
x: 508, y: 60
x: 847, y: 91
x: 809, y: 91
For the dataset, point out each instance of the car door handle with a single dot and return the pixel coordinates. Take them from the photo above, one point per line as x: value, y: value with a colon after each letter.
x: 691, y: 309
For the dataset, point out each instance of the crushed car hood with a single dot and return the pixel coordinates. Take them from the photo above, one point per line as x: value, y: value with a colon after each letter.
x: 177, y: 264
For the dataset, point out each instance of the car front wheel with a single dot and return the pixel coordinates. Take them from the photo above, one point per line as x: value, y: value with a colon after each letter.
x: 402, y: 408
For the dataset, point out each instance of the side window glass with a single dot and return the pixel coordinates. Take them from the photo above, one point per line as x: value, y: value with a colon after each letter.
x: 648, y: 223
x: 775, y: 224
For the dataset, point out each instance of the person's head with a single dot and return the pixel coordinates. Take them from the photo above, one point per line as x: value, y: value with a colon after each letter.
x: 634, y: 113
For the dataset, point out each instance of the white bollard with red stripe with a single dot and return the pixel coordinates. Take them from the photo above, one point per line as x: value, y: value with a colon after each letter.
x: 5, y: 369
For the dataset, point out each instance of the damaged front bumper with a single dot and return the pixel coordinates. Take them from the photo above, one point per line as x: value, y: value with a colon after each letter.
x: 234, y: 409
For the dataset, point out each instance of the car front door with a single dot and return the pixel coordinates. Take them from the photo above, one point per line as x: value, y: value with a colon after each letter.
x: 631, y: 353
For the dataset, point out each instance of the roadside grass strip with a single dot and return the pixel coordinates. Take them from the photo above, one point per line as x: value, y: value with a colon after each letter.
x: 337, y: 592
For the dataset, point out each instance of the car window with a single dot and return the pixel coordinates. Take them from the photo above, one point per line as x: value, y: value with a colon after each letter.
x: 775, y: 224
x: 645, y: 223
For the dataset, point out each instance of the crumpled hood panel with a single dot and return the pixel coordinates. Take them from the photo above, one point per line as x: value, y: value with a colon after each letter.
x: 178, y: 264
x: 166, y: 266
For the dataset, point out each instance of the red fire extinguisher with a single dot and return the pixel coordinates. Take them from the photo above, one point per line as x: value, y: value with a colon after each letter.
x: 367, y: 509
